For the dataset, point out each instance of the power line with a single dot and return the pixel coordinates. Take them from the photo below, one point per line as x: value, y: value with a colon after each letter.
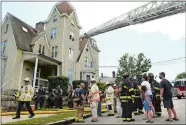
x: 169, y: 60
x: 154, y: 64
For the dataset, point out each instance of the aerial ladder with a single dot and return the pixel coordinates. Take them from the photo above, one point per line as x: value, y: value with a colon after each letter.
x: 150, y: 11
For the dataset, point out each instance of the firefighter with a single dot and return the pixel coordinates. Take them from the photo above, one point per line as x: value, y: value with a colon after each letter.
x: 25, y: 95
x: 58, y: 97
x: 126, y: 93
x: 41, y: 96
x: 109, y: 92
x: 136, y: 104
x: 156, y: 101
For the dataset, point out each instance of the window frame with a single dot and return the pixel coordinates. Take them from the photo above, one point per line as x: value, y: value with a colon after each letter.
x: 6, y: 28
x: 71, y: 36
x: 71, y: 53
x: 3, y: 46
x: 53, y: 33
x: 54, y: 19
x: 72, y: 22
x: 54, y: 51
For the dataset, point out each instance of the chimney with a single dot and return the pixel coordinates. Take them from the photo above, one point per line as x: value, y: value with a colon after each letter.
x: 113, y: 74
x: 40, y: 26
x: 101, y: 75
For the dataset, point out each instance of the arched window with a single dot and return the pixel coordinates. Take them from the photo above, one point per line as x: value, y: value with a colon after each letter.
x: 55, y: 19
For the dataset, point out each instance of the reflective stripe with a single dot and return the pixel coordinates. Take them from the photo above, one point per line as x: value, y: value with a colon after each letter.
x: 131, y: 89
x: 123, y: 97
x: 135, y: 112
x: 125, y: 119
x: 124, y: 101
x: 133, y: 96
x: 129, y: 97
x: 157, y: 88
x: 158, y: 112
x: 137, y: 96
x: 128, y: 119
x: 125, y: 87
x: 157, y: 95
x: 108, y: 98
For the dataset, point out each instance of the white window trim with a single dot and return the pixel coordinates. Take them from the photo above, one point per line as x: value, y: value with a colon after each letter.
x: 24, y: 29
x: 54, y: 51
x: 72, y: 34
x: 41, y: 51
x: 71, y: 53
x: 53, y: 33
x: 72, y: 22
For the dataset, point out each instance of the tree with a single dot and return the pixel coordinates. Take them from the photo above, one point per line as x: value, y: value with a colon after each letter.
x: 181, y: 75
x: 133, y: 65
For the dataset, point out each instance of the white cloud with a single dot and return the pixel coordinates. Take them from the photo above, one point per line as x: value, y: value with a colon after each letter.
x: 172, y: 26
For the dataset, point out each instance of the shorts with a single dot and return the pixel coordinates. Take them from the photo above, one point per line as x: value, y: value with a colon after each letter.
x: 151, y: 97
x: 146, y: 106
x: 168, y: 103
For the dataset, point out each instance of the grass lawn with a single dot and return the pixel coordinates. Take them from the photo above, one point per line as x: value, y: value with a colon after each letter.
x: 44, y: 120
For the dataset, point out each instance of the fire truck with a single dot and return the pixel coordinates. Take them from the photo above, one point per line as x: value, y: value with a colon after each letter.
x: 180, y: 85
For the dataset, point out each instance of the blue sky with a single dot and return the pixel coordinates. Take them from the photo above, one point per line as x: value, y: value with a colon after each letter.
x: 159, y: 40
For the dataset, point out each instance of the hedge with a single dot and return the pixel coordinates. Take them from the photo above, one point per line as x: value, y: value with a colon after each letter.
x: 101, y: 86
x: 61, y: 80
x: 75, y: 83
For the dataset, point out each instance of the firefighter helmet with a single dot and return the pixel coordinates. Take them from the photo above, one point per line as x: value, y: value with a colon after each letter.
x: 27, y: 79
x: 107, y: 82
x: 150, y: 75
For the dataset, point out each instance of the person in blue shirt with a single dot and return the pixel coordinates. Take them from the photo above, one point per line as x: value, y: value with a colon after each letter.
x: 147, y: 105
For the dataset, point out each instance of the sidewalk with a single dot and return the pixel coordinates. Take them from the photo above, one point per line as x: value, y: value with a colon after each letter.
x: 6, y: 119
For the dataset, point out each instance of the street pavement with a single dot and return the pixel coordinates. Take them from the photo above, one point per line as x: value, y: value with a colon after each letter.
x: 179, y: 106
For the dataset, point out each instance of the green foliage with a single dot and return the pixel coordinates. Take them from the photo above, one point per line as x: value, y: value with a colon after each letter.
x: 58, y: 80
x: 133, y: 65
x: 181, y: 75
x: 101, y: 86
x: 75, y: 83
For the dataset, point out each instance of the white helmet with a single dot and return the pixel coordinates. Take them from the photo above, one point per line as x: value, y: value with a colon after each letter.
x: 107, y: 82
x: 27, y: 79
x: 93, y: 80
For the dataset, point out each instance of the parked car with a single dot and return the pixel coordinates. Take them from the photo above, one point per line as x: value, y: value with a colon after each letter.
x: 180, y: 85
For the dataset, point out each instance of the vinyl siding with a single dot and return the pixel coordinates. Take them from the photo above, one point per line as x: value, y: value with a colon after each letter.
x: 43, y: 42
x: 10, y: 53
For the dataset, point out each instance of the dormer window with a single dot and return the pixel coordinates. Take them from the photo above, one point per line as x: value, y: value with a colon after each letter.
x: 24, y: 29
x: 54, y: 19
x: 72, y: 22
x: 6, y: 28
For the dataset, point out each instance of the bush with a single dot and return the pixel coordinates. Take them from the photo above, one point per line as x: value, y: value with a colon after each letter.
x: 7, y: 98
x: 101, y: 86
x: 61, y: 80
x: 75, y: 83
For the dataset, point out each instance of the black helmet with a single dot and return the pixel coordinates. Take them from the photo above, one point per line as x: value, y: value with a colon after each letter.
x: 150, y: 75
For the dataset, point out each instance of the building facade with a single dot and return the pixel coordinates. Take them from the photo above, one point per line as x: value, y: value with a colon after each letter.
x: 52, y: 48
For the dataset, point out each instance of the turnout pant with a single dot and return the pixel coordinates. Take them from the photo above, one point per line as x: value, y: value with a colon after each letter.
x: 118, y: 107
x: 137, y: 105
x: 41, y: 101
x: 20, y: 106
x: 110, y: 106
x: 127, y: 110
x: 94, y: 107
x: 140, y: 106
x: 157, y: 105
